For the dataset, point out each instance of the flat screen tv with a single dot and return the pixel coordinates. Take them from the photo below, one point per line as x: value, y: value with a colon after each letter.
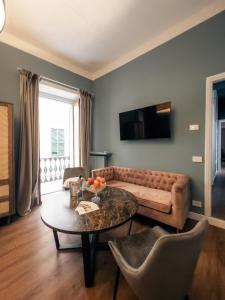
x: 151, y: 122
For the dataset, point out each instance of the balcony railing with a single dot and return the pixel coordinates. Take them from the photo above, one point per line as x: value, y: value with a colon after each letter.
x: 52, y: 168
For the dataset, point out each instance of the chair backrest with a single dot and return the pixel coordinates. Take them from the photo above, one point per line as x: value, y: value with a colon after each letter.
x: 73, y: 172
x: 168, y: 270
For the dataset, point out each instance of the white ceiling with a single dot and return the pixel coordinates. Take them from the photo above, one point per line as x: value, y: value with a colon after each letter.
x: 93, y: 37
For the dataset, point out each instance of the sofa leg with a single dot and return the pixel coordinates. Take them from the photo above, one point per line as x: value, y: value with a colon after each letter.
x: 177, y: 230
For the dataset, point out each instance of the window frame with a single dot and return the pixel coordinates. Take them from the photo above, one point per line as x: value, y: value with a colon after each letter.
x: 57, y: 142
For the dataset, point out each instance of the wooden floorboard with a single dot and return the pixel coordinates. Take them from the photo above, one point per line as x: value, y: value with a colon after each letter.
x: 30, y: 267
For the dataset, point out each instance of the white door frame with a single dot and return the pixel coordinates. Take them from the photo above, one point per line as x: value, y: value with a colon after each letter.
x: 219, y: 146
x: 208, y: 142
x: 219, y: 143
x: 214, y: 131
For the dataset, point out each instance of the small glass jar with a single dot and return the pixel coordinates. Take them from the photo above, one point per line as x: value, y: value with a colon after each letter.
x: 74, y: 188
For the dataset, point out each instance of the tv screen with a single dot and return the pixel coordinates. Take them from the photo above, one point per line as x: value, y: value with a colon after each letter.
x: 149, y: 122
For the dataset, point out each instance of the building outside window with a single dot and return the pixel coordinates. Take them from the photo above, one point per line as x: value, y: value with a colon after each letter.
x: 57, y: 142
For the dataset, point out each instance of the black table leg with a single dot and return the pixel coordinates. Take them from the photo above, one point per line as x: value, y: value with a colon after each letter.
x: 116, y: 284
x: 130, y: 227
x: 56, y: 238
x: 88, y: 259
x: 88, y: 251
x: 65, y: 247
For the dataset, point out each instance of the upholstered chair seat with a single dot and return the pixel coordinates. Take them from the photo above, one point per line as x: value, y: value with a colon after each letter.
x: 158, y: 265
x: 135, y: 248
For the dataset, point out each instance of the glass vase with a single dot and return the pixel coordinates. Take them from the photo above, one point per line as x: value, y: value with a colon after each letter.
x: 96, y: 198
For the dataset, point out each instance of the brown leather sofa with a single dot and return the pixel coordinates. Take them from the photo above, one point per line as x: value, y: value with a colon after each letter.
x: 162, y: 196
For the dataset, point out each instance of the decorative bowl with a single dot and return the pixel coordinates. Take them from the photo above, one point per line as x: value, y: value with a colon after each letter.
x: 95, y: 186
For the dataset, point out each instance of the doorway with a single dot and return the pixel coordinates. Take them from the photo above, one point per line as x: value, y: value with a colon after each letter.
x: 59, y: 140
x: 215, y: 149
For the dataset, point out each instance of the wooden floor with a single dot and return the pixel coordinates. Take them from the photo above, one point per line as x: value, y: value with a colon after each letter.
x: 30, y: 267
x: 218, y: 196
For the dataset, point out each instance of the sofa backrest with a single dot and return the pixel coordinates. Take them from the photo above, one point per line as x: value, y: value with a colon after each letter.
x: 107, y: 173
x: 153, y: 179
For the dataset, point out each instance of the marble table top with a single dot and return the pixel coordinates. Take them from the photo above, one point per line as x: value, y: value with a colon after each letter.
x: 117, y: 206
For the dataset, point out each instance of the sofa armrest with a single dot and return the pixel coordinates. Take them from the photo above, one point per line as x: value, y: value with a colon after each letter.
x: 107, y: 173
x: 181, y: 192
x: 181, y: 200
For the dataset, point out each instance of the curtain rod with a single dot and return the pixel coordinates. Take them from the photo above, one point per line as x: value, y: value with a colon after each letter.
x: 53, y: 81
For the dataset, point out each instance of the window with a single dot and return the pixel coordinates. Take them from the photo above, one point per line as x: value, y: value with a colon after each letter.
x: 57, y: 142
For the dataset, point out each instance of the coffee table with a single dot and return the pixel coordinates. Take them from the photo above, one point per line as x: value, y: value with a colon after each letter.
x: 117, y: 207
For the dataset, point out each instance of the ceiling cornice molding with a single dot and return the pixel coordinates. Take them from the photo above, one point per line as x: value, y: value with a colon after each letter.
x: 172, y: 32
x: 216, y: 7
x: 18, y: 43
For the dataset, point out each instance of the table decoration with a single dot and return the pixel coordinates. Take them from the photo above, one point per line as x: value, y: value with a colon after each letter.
x: 85, y: 207
x: 96, y: 186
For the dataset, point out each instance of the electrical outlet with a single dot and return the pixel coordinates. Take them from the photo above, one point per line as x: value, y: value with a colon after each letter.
x: 196, y: 203
x: 197, y: 159
x: 194, y: 127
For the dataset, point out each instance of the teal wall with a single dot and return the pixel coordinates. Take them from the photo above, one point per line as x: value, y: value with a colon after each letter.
x: 10, y: 59
x: 175, y: 71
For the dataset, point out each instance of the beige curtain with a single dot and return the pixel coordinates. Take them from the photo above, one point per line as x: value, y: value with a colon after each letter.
x: 28, y: 193
x: 85, y: 109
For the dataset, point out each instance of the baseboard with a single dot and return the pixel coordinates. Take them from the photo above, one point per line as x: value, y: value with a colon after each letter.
x: 212, y: 221
x: 195, y: 216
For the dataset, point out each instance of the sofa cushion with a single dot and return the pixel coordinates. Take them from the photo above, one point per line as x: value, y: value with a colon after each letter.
x: 152, y: 198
